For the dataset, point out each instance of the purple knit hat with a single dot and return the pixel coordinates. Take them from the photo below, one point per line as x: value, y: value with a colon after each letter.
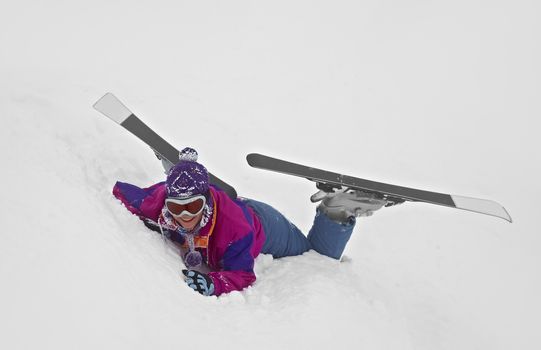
x: 187, y: 178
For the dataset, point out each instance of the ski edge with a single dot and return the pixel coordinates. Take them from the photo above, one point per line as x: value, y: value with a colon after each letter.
x: 406, y: 193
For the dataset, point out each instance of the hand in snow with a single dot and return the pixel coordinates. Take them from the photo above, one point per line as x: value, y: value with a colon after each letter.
x: 199, y: 282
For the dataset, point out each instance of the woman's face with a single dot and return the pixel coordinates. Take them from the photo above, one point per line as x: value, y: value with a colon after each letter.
x: 189, y: 222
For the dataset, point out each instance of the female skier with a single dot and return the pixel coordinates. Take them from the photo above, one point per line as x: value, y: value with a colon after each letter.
x: 221, y: 237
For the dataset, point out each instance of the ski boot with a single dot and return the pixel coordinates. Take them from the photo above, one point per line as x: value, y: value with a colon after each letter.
x: 344, y: 206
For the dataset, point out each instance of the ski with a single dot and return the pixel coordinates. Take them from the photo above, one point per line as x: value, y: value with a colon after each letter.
x: 110, y: 106
x: 328, y: 181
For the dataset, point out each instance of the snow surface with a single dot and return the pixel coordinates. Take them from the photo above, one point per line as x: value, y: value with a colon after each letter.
x: 436, y: 95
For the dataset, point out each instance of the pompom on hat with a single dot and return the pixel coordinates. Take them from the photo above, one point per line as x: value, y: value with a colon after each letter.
x: 187, y: 178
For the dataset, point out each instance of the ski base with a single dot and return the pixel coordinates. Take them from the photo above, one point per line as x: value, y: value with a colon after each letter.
x: 327, y: 181
x: 110, y: 106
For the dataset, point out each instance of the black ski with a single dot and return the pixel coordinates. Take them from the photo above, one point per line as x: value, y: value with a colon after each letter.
x: 327, y: 181
x: 111, y: 107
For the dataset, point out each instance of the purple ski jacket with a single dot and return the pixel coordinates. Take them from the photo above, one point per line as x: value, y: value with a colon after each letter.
x: 233, y: 236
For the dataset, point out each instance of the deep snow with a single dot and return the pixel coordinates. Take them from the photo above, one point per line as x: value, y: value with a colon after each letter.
x: 442, y: 96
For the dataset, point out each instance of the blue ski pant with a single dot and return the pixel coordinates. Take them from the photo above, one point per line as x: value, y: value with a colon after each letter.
x: 283, y: 238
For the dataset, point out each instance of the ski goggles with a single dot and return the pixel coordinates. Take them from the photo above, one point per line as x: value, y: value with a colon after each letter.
x: 189, y: 206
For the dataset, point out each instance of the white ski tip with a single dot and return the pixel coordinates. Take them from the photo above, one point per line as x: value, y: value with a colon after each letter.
x: 112, y: 108
x: 482, y: 206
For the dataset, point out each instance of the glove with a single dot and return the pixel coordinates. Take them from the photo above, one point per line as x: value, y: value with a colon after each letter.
x: 199, y: 282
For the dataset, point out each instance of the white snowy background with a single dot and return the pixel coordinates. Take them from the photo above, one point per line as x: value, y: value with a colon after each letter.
x: 440, y: 95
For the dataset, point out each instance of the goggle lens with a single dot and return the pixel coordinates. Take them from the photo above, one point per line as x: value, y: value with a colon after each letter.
x: 177, y: 207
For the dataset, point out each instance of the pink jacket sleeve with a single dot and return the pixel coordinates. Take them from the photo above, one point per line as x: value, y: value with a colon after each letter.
x: 237, y: 271
x: 228, y: 281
